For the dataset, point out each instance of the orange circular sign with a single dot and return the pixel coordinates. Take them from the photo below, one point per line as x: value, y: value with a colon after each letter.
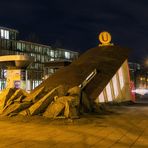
x: 105, y: 37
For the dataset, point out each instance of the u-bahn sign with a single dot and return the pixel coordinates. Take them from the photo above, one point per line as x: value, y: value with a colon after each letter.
x: 104, y: 38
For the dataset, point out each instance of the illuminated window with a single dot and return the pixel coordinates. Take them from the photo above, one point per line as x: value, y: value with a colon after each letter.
x: 32, y: 54
x: 121, y: 78
x: 32, y: 47
x: 5, y: 73
x: 42, y: 59
x: 28, y: 47
x: 40, y: 49
x: 115, y: 85
x: 23, y: 46
x: 108, y: 92
x: 67, y: 55
x: 36, y: 48
x: 19, y: 46
x: 4, y: 34
x: 52, y: 53
x: 56, y: 54
x: 101, y: 97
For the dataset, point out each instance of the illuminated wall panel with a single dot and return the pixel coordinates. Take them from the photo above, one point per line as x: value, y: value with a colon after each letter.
x: 115, y: 85
x: 101, y: 97
x: 108, y: 92
x: 121, y: 79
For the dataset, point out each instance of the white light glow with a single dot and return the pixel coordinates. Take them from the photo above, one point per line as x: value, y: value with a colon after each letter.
x: 101, y: 97
x: 115, y: 85
x: 67, y: 55
x: 121, y: 79
x: 52, y: 53
x: 141, y: 91
x: 109, y: 93
x: 4, y: 34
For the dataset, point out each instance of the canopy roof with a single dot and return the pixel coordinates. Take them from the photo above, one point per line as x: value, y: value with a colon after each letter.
x: 18, y: 61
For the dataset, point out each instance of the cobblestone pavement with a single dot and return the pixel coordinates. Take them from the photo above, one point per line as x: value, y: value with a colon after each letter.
x: 122, y: 126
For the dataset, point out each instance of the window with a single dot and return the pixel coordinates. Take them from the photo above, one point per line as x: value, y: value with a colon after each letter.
x: 46, y: 58
x: 18, y: 46
x: 42, y: 59
x: 36, y: 48
x: 60, y: 54
x: 48, y: 51
x: 23, y: 46
x: 38, y: 57
x: 56, y: 54
x: 67, y: 55
x: 28, y: 47
x: 52, y: 53
x: 40, y: 49
x: 32, y: 54
x: 32, y: 48
x: 36, y: 66
x: 45, y: 51
x: 12, y: 35
x: 4, y: 34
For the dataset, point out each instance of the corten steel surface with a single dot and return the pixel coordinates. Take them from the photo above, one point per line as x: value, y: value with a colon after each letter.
x: 106, y: 60
x: 57, y: 64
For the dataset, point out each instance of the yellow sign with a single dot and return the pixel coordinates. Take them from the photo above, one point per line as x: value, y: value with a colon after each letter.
x: 105, y: 38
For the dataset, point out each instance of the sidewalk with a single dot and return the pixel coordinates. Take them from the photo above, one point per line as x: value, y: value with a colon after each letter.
x: 126, y: 126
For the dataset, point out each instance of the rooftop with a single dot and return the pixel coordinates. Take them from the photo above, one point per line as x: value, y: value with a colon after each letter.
x: 5, y: 28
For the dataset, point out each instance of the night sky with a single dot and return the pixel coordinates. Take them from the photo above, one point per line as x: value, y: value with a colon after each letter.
x: 75, y: 24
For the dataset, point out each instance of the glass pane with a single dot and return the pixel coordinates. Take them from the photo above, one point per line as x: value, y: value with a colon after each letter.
x: 67, y: 55
x: 52, y: 53
x: 2, y: 33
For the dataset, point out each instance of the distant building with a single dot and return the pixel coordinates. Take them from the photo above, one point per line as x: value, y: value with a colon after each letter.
x: 142, y: 79
x: 139, y: 75
x: 134, y: 71
x: 10, y: 45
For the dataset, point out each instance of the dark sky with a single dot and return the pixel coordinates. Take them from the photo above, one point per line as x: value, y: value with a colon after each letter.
x: 75, y: 24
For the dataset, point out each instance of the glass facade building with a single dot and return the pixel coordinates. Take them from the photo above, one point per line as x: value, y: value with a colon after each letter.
x: 10, y: 45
